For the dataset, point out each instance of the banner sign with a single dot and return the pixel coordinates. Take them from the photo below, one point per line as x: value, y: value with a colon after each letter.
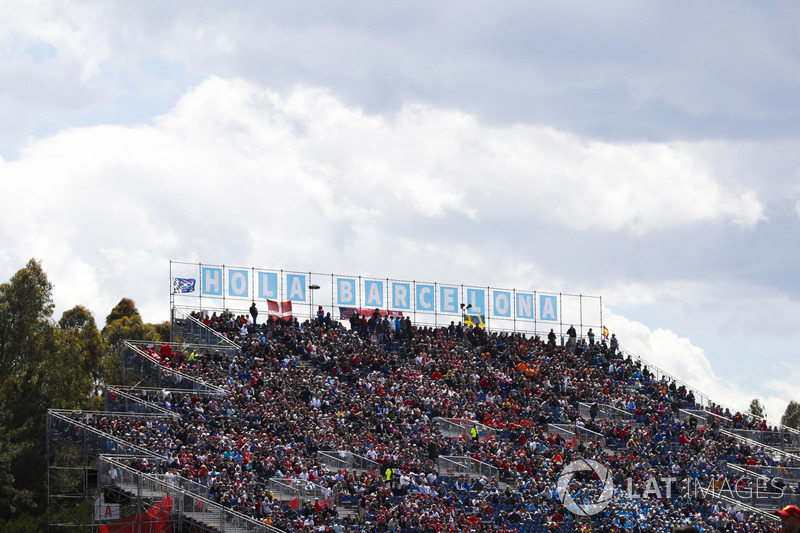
x: 446, y: 301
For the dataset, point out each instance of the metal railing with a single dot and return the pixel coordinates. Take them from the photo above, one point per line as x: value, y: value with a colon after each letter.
x: 746, y: 507
x: 187, y: 504
x: 605, y: 412
x: 455, y: 466
x: 580, y: 434
x: 778, y: 439
x: 791, y: 475
x: 287, y: 489
x: 359, y: 462
x: 775, y: 453
x: 64, y: 424
x: 196, y: 328
x: 120, y: 399
x: 658, y: 374
x: 137, y: 361
x: 455, y: 427
x: 336, y: 460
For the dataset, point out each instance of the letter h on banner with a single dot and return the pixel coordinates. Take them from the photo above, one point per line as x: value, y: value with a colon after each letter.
x: 212, y: 281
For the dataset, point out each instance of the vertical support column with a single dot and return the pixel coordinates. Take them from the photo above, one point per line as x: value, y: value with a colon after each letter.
x: 514, y: 311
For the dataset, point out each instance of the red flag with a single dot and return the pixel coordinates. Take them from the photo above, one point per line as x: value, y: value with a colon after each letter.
x: 157, y: 519
x: 280, y: 311
x: 294, y: 504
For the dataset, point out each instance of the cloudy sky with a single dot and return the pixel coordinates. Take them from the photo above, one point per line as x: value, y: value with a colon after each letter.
x: 645, y: 152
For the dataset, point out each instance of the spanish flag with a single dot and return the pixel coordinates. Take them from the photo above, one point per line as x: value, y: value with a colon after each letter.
x: 476, y: 321
x: 605, y: 332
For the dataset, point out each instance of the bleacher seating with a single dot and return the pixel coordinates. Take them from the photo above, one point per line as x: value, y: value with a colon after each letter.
x: 293, y: 390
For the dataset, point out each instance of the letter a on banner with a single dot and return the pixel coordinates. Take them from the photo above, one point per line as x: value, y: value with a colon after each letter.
x: 548, y: 306
x: 297, y: 287
x: 374, y: 290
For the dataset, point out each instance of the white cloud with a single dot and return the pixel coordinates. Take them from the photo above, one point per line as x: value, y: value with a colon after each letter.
x: 234, y: 166
x: 677, y: 357
x: 730, y: 309
x: 237, y: 174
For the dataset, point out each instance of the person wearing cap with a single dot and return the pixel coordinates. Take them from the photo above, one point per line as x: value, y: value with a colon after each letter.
x: 790, y: 519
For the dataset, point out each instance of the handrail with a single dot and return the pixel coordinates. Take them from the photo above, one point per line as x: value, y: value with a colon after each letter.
x: 465, y: 423
x: 767, y: 448
x: 118, y: 442
x: 101, y: 413
x: 729, y: 432
x: 616, y: 413
x: 664, y: 374
x: 221, y: 338
x: 128, y: 396
x: 746, y: 506
x: 303, y: 490
x: 160, y: 390
x: 462, y: 463
x: 134, y: 346
x: 221, y: 511
x: 702, y: 395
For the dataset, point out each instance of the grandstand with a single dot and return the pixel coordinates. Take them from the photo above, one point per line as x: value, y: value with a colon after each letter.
x: 290, y: 425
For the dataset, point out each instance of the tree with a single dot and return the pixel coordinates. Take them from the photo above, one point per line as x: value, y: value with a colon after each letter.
x: 125, y: 308
x: 114, y: 334
x: 25, y: 308
x: 757, y: 409
x: 79, y: 323
x: 41, y: 366
x: 162, y: 328
x: 791, y: 417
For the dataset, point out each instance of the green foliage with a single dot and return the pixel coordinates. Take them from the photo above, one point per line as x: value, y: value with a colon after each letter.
x: 757, y: 409
x: 42, y: 365
x: 25, y: 307
x: 78, y: 323
x: 791, y: 417
x: 129, y: 327
x: 24, y: 524
x: 114, y: 334
x: 125, y: 308
x: 162, y: 328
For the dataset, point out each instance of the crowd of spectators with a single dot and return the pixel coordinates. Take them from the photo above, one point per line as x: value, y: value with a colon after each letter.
x: 375, y: 389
